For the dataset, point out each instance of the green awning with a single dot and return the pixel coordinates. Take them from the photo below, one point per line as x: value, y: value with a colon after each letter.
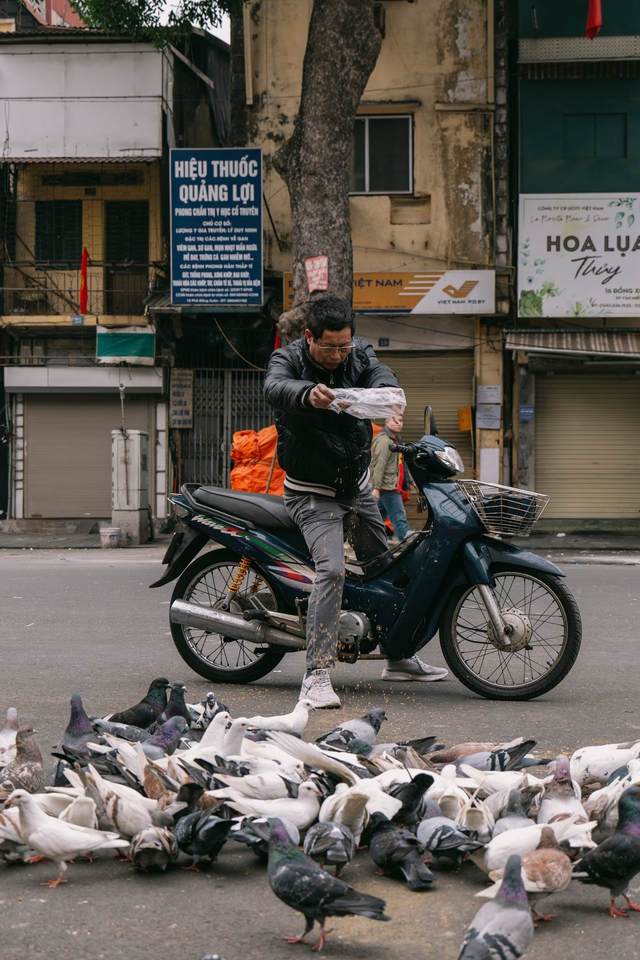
x: 135, y: 345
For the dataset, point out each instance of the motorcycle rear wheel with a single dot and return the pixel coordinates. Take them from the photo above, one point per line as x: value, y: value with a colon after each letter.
x: 549, y: 654
x: 217, y: 658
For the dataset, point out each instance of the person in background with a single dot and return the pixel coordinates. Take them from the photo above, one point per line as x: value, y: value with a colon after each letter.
x: 389, y: 479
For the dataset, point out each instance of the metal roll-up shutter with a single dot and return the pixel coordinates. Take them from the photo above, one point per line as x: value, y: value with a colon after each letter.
x: 587, y: 447
x: 68, y: 451
x: 442, y: 380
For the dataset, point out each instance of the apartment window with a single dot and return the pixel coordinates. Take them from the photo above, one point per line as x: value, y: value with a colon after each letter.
x: 382, y: 155
x: 594, y: 135
x: 59, y: 233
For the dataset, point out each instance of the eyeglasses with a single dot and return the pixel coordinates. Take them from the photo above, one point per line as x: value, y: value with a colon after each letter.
x: 341, y: 348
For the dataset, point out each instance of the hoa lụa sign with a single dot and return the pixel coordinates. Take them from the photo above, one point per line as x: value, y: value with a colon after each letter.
x: 441, y: 291
x: 578, y: 255
x: 216, y: 226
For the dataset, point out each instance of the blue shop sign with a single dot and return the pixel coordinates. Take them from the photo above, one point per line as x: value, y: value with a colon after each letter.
x: 527, y: 411
x: 216, y: 227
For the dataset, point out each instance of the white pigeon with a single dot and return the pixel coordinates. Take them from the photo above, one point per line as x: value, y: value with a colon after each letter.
x: 477, y: 818
x: 56, y: 840
x: 596, y: 764
x: 214, y: 734
x: 82, y: 811
x: 445, y: 790
x: 494, y: 781
x: 379, y: 800
x: 350, y: 809
x: 602, y: 804
x: 293, y: 722
x: 269, y: 786
x: 234, y: 737
x: 12, y: 846
x: 313, y: 756
x: 54, y: 804
x: 560, y: 795
x: 302, y: 811
x: 524, y: 840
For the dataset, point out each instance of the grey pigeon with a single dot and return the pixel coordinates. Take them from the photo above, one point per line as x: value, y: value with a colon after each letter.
x: 144, y: 713
x: 504, y: 758
x: 9, y: 731
x: 164, y: 742
x: 26, y: 771
x: 202, y: 835
x: 513, y: 816
x: 444, y: 838
x: 616, y: 861
x: 330, y: 843
x: 365, y: 728
x: 398, y: 852
x: 255, y: 832
x: 79, y: 732
x: 155, y: 846
x: 307, y: 888
x: 503, y: 928
x: 123, y: 730
x: 176, y: 707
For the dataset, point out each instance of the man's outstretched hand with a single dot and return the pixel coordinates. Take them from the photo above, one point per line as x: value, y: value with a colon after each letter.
x: 321, y: 397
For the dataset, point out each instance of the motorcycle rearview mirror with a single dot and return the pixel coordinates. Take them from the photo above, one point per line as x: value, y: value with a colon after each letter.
x: 430, y: 426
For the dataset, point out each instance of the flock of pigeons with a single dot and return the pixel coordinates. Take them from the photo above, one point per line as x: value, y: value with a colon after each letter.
x: 142, y: 783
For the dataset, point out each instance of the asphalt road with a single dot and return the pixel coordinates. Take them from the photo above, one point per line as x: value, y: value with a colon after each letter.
x: 87, y: 622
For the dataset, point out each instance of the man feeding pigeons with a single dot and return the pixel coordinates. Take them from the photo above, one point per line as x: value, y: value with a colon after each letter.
x: 326, y: 489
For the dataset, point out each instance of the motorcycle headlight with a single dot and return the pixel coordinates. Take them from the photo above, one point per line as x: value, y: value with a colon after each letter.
x: 452, y: 458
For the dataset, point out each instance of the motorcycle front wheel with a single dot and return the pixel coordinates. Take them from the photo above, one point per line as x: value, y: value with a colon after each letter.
x: 540, y: 601
x: 217, y: 658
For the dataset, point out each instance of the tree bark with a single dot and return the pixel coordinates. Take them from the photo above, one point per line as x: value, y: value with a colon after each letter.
x: 315, y: 163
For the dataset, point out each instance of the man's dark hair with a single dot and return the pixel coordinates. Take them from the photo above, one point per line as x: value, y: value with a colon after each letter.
x: 330, y: 313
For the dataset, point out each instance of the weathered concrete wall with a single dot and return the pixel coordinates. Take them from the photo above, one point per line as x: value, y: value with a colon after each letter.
x: 435, y: 65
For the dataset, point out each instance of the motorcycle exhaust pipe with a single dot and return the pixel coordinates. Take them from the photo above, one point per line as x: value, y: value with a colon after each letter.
x: 231, y: 625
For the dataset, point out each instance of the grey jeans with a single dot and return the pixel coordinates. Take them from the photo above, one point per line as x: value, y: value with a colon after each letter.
x: 325, y: 524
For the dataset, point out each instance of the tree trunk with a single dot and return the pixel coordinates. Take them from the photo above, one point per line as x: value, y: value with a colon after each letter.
x: 315, y: 163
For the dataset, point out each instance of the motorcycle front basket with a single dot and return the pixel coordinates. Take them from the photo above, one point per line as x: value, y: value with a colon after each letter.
x: 505, y: 510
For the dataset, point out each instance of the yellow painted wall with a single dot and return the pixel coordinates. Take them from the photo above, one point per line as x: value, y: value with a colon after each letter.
x: 62, y: 285
x: 434, y: 58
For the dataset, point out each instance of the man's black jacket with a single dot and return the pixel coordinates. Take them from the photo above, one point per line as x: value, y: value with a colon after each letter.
x: 320, y: 446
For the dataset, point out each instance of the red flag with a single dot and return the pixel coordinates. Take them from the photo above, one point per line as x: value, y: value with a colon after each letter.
x: 83, y: 281
x: 594, y: 18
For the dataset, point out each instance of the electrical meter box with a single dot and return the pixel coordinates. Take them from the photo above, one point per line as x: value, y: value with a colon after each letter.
x: 130, y: 484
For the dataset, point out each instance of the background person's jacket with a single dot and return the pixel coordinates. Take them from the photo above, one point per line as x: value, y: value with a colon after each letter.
x: 385, y: 465
x: 322, y: 452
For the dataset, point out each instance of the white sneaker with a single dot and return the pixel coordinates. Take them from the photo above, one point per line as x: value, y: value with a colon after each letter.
x: 412, y: 669
x: 317, y: 688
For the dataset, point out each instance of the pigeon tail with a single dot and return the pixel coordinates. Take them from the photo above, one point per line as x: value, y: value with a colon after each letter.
x: 418, y: 876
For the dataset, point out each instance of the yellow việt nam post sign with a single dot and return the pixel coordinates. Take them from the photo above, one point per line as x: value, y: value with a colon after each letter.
x: 431, y: 292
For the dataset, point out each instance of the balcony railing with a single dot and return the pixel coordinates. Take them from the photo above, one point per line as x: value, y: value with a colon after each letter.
x: 50, y: 290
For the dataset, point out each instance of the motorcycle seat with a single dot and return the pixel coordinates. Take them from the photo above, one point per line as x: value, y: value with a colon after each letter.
x: 259, y: 509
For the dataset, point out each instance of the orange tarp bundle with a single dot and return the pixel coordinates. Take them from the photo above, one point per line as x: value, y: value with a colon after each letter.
x: 253, y: 454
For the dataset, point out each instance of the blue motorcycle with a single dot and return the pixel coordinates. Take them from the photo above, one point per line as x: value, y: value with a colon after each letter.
x: 509, y: 626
